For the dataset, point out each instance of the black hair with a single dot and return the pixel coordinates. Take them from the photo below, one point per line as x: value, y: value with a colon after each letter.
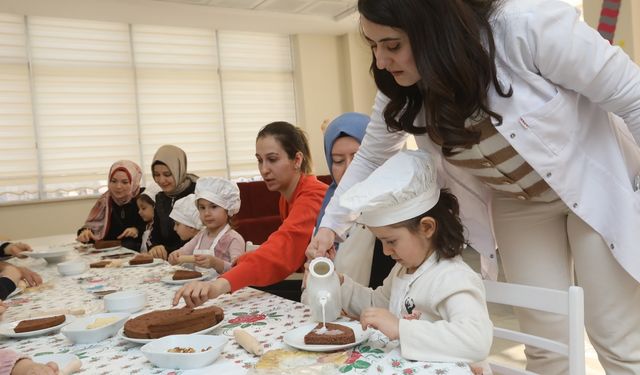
x: 448, y: 238
x: 292, y: 139
x: 447, y: 40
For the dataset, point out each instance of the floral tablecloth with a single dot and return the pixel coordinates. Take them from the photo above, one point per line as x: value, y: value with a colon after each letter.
x: 266, y: 316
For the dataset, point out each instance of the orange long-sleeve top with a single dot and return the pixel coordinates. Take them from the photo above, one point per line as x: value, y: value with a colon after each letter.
x: 283, y: 252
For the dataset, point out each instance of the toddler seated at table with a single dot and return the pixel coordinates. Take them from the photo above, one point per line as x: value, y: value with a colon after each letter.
x: 217, y: 245
x: 432, y: 301
x: 146, y: 202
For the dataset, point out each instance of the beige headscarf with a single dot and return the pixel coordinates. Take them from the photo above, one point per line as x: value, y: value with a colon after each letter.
x: 176, y: 160
x: 99, y: 216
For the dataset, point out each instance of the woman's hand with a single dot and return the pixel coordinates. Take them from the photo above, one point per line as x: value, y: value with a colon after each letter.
x: 321, y: 244
x: 129, y: 232
x: 32, y: 278
x: 85, y: 236
x: 28, y: 367
x: 198, y: 292
x: 159, y: 252
x: 15, y: 249
x: 173, y: 258
x: 382, y: 320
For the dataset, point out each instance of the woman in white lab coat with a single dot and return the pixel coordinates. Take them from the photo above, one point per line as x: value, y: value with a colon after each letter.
x: 525, y: 109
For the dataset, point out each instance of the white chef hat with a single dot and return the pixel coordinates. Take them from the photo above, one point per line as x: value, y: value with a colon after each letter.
x: 151, y: 190
x: 402, y: 188
x: 219, y: 191
x: 185, y: 212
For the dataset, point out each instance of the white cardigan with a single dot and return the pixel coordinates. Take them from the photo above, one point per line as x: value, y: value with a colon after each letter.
x: 567, y: 83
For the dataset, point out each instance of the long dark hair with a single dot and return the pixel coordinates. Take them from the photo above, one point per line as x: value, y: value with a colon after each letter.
x: 446, y: 39
x: 448, y: 238
x: 292, y: 139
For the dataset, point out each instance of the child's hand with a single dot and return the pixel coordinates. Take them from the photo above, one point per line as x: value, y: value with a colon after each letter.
x: 173, y: 258
x: 16, y: 249
x: 85, y: 236
x: 129, y: 232
x: 32, y: 278
x: 3, y: 308
x: 382, y: 320
x: 159, y: 252
x: 28, y: 367
x: 210, y: 261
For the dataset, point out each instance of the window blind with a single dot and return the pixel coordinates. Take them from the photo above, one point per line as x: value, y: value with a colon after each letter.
x: 18, y: 159
x: 257, y: 84
x: 83, y: 88
x: 179, y: 96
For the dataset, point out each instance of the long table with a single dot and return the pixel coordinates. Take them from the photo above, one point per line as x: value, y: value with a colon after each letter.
x: 266, y: 316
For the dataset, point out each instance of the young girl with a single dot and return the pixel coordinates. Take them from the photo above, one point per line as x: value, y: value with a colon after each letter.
x: 218, y: 245
x: 432, y: 302
x: 114, y: 215
x: 146, y: 202
x: 284, y: 161
x: 186, y: 219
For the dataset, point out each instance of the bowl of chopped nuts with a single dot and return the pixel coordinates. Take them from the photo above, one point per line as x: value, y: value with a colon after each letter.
x: 184, y: 352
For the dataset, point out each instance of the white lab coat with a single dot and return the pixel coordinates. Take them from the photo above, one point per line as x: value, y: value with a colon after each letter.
x: 567, y: 84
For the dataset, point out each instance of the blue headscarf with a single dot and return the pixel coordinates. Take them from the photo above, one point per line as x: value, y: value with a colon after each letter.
x: 350, y: 124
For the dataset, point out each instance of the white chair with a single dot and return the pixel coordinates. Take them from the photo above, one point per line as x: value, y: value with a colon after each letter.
x: 250, y: 246
x: 569, y: 303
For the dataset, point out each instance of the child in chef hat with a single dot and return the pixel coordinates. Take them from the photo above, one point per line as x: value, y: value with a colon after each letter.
x: 432, y: 302
x: 217, y: 246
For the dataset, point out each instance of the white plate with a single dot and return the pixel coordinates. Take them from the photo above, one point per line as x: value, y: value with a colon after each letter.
x: 94, y: 250
x: 6, y: 329
x: 156, y: 262
x: 295, y: 338
x: 61, y: 359
x: 144, y: 341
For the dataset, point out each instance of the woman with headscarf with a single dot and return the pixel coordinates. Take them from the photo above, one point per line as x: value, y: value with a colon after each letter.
x: 360, y: 255
x: 115, y: 214
x: 169, y: 168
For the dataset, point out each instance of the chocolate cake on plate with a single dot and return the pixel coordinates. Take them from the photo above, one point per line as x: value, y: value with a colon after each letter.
x: 31, y: 325
x: 162, y: 323
x: 103, y: 244
x: 186, y: 275
x: 336, y: 334
x: 100, y: 264
x: 141, y: 259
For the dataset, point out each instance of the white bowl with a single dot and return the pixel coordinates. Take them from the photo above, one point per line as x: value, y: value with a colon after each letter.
x: 125, y: 301
x: 51, y: 255
x: 157, y: 351
x: 79, y: 334
x: 72, y: 267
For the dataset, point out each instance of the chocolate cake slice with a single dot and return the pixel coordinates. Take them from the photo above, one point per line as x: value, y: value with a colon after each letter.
x: 186, y: 275
x: 103, y: 244
x: 336, y: 334
x: 141, y: 259
x: 100, y: 264
x: 162, y: 323
x: 38, y: 324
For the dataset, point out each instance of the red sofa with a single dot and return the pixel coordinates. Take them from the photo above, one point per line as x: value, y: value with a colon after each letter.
x: 259, y: 216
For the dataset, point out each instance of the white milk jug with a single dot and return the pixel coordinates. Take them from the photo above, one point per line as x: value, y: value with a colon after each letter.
x: 323, y: 290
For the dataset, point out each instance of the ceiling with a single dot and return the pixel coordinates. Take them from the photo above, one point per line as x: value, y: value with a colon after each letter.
x: 334, y: 10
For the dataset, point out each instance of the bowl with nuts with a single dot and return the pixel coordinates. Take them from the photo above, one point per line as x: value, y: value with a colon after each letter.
x: 184, y: 352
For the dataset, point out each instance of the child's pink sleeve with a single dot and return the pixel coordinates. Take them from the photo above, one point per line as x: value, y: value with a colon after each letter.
x: 236, y: 248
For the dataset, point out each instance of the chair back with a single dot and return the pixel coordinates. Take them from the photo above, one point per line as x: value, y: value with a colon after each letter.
x: 569, y: 303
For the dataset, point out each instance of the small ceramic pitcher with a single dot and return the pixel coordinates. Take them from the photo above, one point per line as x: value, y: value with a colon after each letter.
x: 323, y: 288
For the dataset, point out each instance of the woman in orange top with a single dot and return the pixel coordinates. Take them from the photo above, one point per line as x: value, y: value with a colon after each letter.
x: 284, y: 161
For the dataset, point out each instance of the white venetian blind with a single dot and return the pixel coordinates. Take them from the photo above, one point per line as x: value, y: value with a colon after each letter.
x: 257, y: 83
x: 18, y: 158
x: 179, y: 95
x: 84, y: 91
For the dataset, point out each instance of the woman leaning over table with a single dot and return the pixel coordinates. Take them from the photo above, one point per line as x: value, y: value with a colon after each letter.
x: 516, y: 99
x: 115, y: 215
x: 284, y: 161
x: 169, y: 168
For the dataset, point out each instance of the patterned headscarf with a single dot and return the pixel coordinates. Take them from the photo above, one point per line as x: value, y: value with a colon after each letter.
x: 98, y: 219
